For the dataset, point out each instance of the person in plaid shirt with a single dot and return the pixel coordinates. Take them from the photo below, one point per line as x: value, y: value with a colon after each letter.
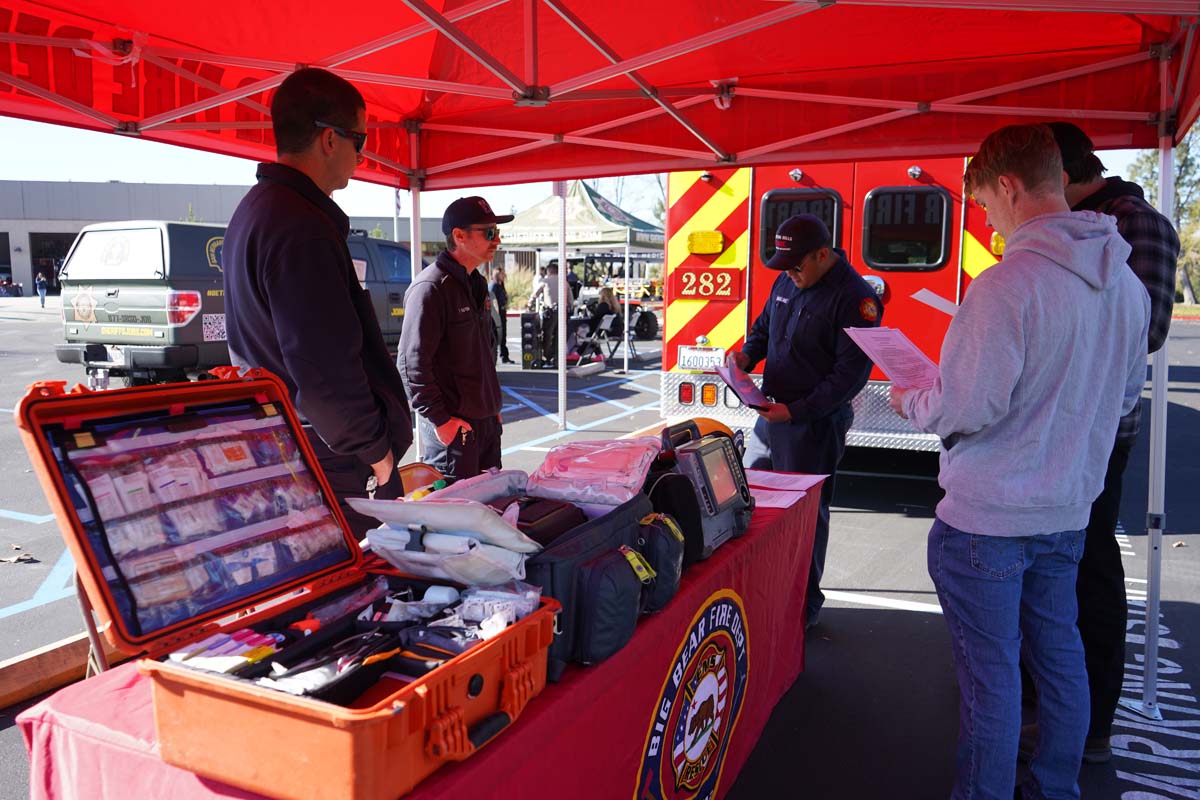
x: 1100, y: 587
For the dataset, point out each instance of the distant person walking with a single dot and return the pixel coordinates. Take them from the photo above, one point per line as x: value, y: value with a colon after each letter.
x: 40, y: 283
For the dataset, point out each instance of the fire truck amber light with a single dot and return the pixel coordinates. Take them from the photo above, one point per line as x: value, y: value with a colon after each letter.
x: 708, y: 394
x: 182, y: 307
x: 687, y: 393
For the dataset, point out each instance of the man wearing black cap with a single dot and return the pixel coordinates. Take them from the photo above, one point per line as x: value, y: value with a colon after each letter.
x: 813, y: 368
x: 1100, y: 587
x: 293, y: 302
x: 447, y: 355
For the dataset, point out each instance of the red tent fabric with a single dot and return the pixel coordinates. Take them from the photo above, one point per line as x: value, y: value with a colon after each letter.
x: 495, y: 91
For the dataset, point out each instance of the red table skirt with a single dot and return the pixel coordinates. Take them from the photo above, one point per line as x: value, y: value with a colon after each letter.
x: 674, y: 714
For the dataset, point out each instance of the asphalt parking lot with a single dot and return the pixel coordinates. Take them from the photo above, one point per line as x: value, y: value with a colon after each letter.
x: 875, y: 713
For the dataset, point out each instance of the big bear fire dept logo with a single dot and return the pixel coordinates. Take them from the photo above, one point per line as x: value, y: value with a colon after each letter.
x: 699, y: 705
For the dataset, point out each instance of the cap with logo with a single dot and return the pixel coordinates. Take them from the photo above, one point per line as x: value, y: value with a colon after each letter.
x: 467, y: 211
x: 796, y: 238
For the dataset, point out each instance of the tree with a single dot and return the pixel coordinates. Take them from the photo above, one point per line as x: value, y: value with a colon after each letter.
x: 1144, y: 170
x: 377, y: 233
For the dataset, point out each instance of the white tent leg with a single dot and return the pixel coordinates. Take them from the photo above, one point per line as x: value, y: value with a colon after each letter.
x: 628, y: 332
x: 560, y: 189
x: 414, y: 251
x: 1156, y: 500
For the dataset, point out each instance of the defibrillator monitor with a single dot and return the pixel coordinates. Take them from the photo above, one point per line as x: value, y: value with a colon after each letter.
x: 713, y: 466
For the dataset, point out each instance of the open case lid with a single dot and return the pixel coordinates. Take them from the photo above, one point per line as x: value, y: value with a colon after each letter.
x: 184, y: 503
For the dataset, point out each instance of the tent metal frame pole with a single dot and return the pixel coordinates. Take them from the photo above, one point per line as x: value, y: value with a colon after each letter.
x: 415, y: 245
x: 1189, y: 42
x: 58, y: 99
x: 407, y: 82
x: 284, y: 68
x: 230, y: 96
x: 529, y: 17
x: 1156, y: 511
x: 200, y: 80
x: 560, y: 189
x: 401, y: 36
x: 955, y: 103
x: 467, y: 45
x: 650, y: 91
x: 1167, y: 7
x: 628, y: 332
x: 786, y: 12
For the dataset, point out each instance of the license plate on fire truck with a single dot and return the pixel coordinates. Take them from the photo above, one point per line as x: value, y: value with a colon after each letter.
x: 700, y: 359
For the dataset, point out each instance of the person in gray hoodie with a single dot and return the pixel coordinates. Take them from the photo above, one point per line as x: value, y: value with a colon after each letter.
x: 1045, y: 355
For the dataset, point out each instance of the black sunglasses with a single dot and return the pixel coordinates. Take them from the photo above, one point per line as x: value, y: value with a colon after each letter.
x: 359, y: 139
x: 489, y: 233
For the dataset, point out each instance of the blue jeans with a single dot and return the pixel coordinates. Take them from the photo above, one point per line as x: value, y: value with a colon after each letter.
x: 1001, y: 594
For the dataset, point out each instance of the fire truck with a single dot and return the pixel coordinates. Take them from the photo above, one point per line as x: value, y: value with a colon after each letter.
x: 904, y: 225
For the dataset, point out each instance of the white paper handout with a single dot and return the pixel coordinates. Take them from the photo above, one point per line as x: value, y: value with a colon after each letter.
x: 935, y: 301
x: 895, y: 354
x: 787, y: 481
x: 743, y: 386
x: 775, y: 498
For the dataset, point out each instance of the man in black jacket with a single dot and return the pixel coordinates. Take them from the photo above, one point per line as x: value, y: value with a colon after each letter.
x: 293, y: 303
x: 446, y: 349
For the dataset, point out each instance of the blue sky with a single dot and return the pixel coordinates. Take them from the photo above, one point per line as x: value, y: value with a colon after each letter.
x: 36, y: 151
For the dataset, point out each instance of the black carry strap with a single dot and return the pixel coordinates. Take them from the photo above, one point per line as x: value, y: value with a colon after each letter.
x: 416, y: 538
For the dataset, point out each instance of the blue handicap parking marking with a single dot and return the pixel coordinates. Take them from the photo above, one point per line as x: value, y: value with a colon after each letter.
x: 58, y: 585
x: 19, y: 516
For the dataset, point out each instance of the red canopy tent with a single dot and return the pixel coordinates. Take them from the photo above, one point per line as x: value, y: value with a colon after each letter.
x: 496, y: 91
x: 504, y: 91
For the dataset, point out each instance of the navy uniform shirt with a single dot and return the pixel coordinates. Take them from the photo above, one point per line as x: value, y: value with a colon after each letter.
x: 294, y: 307
x: 812, y: 366
x: 447, y: 356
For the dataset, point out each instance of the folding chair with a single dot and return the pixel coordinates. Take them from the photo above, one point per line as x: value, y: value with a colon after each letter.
x: 610, y: 331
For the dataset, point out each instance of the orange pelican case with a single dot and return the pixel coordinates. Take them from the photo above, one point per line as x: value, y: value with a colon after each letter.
x: 186, y: 460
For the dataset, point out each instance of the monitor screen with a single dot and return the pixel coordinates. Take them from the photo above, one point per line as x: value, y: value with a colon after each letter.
x: 720, y: 476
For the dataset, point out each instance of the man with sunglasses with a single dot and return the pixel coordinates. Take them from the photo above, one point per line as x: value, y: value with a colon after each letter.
x: 447, y: 351
x: 813, y: 368
x: 293, y: 302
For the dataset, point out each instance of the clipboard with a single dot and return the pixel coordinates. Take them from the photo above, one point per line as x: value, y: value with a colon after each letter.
x: 744, y: 387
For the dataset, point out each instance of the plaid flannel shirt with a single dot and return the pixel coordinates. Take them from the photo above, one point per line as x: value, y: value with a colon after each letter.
x: 1153, y: 259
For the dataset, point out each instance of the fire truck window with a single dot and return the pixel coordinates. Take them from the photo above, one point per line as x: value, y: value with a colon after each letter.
x: 906, y: 228
x: 780, y: 204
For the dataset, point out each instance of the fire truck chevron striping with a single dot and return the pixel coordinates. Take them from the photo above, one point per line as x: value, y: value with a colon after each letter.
x: 904, y: 226
x: 704, y: 287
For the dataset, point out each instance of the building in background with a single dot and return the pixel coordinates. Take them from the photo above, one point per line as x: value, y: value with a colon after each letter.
x: 40, y: 219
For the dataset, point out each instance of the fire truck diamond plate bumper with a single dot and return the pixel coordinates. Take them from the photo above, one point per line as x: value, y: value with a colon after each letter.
x: 875, y: 424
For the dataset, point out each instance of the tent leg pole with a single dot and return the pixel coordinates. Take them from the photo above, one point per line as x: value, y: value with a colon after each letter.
x: 628, y: 331
x: 1156, y: 500
x: 563, y: 306
x: 415, y: 248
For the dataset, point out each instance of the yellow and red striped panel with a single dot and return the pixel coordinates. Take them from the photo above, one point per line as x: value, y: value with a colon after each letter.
x: 721, y: 203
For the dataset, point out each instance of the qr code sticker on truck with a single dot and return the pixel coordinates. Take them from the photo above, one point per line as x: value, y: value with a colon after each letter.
x: 214, y: 327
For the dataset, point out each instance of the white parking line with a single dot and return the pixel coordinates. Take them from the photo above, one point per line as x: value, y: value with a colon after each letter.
x: 882, y: 602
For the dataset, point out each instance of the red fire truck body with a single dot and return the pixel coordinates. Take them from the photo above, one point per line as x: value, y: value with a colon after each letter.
x: 903, y: 225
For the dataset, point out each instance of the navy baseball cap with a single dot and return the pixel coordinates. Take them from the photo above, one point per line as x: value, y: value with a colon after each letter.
x: 467, y: 211
x: 796, y: 238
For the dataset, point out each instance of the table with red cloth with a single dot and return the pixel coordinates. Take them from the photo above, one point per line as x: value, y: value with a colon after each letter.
x: 674, y: 714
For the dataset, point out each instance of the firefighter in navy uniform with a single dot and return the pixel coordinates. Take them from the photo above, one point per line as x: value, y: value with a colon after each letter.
x: 813, y: 368
x: 447, y: 354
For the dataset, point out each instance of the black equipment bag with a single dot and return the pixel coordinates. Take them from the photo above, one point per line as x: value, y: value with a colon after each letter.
x: 540, y: 518
x: 673, y: 494
x: 600, y: 595
x: 661, y: 543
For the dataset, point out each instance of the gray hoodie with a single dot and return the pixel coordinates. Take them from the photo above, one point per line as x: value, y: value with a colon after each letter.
x: 1047, y: 351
